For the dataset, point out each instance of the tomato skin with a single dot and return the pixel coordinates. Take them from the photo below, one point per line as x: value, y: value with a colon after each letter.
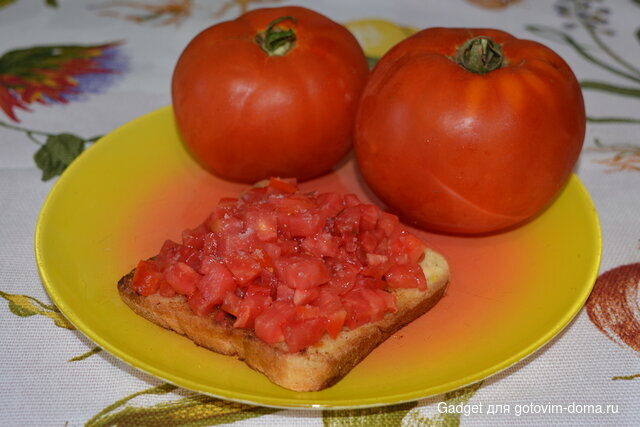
x: 456, y: 151
x: 288, y: 115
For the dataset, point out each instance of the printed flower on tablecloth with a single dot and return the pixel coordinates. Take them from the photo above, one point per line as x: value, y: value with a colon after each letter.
x: 50, y: 3
x: 592, y: 18
x: 56, y: 74
x: 614, y: 307
x: 167, y: 12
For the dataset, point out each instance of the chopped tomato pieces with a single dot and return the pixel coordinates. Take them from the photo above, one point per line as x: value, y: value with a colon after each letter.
x: 406, y: 276
x: 302, y: 272
x: 283, y: 185
x: 303, y: 333
x: 292, y: 266
x: 147, y: 279
x: 182, y: 278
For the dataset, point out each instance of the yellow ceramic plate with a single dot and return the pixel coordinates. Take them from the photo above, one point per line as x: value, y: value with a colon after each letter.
x: 510, y: 293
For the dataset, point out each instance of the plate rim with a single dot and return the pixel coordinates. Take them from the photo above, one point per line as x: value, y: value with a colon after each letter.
x: 289, y: 403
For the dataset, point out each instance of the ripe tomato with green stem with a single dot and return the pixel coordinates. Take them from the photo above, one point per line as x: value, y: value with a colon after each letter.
x: 469, y: 130
x: 272, y: 93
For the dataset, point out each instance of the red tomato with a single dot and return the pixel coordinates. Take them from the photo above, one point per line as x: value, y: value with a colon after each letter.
x: 271, y: 93
x: 463, y: 148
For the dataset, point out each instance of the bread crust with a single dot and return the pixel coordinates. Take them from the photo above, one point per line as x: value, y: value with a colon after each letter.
x: 315, y: 368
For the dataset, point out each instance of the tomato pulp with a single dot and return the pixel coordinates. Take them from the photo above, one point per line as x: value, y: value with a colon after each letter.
x: 290, y: 266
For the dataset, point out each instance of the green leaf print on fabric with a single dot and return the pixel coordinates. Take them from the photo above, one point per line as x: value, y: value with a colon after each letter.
x: 25, y: 306
x: 193, y: 410
x: 389, y: 416
x: 592, y: 18
x: 57, y: 153
x: 400, y: 415
x: 4, y: 3
x: 447, y: 419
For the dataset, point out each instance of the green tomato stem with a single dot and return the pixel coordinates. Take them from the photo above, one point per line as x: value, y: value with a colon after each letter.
x: 276, y: 41
x: 480, y: 55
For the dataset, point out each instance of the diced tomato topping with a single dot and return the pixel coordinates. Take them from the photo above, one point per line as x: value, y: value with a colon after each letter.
x: 300, y: 224
x: 254, y: 194
x: 368, y: 217
x: 357, y: 308
x: 283, y: 185
x: 303, y: 333
x: 250, y: 307
x: 388, y: 223
x: 377, y: 304
x: 330, y: 204
x: 351, y: 200
x: 212, y: 288
x: 182, y: 278
x: 376, y: 265
x: 322, y: 245
x: 195, y: 238
x: 292, y: 266
x: 304, y: 296
x: 302, y: 272
x: 406, y: 276
x: 268, y: 324
x: 173, y: 252
x: 147, y: 278
x: 263, y: 223
x: 285, y: 293
x: 307, y: 311
x: 166, y: 290
x: 227, y: 225
x: 263, y: 259
x: 231, y: 303
x: 332, y: 311
x: 368, y: 241
x: 295, y: 203
x: 343, y: 277
x: 406, y: 247
x: 347, y: 222
x: 210, y: 243
x: 244, y: 267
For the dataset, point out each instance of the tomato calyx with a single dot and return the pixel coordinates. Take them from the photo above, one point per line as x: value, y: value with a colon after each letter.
x: 277, y: 41
x: 480, y: 55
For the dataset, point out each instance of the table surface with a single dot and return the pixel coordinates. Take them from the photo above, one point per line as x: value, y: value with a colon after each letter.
x: 53, y: 375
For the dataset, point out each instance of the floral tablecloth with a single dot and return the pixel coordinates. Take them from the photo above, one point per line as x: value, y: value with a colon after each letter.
x: 71, y: 71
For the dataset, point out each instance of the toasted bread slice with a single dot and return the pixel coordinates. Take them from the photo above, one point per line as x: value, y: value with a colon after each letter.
x: 312, y: 369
